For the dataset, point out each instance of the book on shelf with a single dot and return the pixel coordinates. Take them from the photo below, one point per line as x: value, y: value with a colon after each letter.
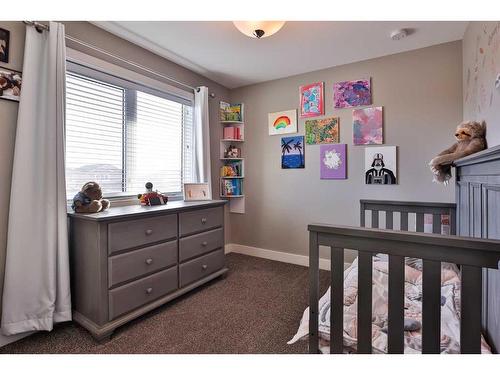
x: 232, y: 169
x: 232, y: 132
x: 231, y: 187
x: 231, y: 112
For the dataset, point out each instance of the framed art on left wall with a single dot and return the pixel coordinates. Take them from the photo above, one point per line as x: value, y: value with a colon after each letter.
x: 10, y: 84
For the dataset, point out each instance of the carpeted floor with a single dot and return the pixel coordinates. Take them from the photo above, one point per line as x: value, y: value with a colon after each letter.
x: 255, y: 308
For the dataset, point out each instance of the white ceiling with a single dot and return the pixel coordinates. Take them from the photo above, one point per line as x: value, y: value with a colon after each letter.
x: 218, y: 51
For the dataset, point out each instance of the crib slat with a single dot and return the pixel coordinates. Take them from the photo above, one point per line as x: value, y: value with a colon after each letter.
x: 431, y: 307
x: 389, y: 220
x: 313, y: 292
x: 436, y: 223
x: 374, y: 218
x: 453, y: 222
x: 404, y: 221
x: 337, y: 300
x: 364, y: 303
x: 395, y: 343
x: 470, y: 317
x: 420, y: 222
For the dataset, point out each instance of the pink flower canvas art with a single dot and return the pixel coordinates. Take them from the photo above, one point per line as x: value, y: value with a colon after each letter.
x: 367, y: 126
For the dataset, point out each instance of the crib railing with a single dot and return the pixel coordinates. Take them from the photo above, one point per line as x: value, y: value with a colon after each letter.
x: 420, y: 209
x: 470, y: 254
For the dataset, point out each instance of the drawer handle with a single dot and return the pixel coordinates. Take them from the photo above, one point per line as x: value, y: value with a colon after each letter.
x: 149, y: 232
x: 204, y: 267
x: 204, y: 243
x: 149, y: 290
x: 203, y: 220
x: 149, y: 260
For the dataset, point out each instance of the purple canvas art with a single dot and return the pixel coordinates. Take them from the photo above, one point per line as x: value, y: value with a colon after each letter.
x: 333, y: 162
x: 367, y: 126
x: 352, y: 93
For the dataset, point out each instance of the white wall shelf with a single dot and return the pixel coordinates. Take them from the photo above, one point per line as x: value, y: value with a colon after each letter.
x: 231, y: 122
x: 237, y: 201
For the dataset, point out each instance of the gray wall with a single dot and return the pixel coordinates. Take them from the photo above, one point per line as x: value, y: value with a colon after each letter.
x: 421, y: 92
x: 481, y: 65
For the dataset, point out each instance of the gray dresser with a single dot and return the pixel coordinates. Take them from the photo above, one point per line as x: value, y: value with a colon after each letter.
x: 127, y: 261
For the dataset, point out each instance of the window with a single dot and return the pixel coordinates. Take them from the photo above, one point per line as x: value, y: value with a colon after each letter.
x: 122, y: 135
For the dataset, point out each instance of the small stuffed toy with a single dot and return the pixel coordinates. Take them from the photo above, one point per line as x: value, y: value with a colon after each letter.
x: 89, y: 199
x: 152, y: 198
x: 470, y: 137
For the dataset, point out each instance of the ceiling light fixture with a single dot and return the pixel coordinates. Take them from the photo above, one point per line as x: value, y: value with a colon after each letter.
x: 259, y: 29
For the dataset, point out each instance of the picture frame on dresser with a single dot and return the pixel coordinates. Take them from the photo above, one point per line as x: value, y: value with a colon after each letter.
x: 197, y: 192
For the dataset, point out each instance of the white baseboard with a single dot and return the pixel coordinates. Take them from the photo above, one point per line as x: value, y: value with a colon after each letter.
x: 301, y: 260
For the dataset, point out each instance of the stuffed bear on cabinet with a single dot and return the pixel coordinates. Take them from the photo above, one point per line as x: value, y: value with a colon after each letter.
x: 89, y: 199
x: 470, y: 137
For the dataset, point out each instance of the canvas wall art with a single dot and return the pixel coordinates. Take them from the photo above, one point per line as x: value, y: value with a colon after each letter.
x: 380, y: 165
x: 4, y: 45
x: 292, y: 152
x: 312, y: 100
x: 283, y: 122
x: 10, y: 84
x: 322, y: 131
x: 367, y: 126
x: 333, y: 161
x: 352, y: 93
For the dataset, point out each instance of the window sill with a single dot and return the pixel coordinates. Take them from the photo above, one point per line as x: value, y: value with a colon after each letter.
x: 127, y: 200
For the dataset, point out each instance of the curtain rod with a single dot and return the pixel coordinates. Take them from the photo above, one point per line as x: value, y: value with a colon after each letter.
x: 40, y: 27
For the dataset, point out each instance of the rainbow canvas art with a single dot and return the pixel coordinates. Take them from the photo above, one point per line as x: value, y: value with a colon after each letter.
x: 284, y: 122
x: 352, y: 93
x: 367, y: 126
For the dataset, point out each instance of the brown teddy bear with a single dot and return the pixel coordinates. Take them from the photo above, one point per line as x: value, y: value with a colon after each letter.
x: 89, y: 199
x: 470, y: 137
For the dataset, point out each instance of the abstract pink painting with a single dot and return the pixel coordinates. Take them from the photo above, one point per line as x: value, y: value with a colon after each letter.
x: 352, y: 93
x: 367, y: 126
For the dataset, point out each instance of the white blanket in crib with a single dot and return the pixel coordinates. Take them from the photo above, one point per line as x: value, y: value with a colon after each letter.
x: 450, y: 309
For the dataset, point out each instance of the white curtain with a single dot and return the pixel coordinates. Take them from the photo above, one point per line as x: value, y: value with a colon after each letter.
x: 37, y: 288
x: 201, y: 137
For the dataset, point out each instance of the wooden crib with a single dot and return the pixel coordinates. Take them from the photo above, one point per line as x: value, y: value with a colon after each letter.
x: 478, y: 197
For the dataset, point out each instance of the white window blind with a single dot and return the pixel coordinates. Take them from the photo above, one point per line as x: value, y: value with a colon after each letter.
x: 123, y: 137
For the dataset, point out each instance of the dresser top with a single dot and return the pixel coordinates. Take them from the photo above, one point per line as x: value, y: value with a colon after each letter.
x: 135, y: 211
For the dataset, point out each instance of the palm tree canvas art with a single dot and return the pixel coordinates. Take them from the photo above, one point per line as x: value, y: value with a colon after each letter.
x: 292, y: 152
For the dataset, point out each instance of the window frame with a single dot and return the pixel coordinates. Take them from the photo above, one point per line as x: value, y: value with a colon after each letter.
x: 93, y: 68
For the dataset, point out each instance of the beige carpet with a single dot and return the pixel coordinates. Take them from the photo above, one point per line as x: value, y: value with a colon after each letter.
x: 255, y: 308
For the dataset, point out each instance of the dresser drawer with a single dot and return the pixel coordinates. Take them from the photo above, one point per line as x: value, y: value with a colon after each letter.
x: 137, y: 293
x: 200, y: 267
x: 132, y: 233
x: 200, y: 220
x: 198, y: 244
x: 136, y: 263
